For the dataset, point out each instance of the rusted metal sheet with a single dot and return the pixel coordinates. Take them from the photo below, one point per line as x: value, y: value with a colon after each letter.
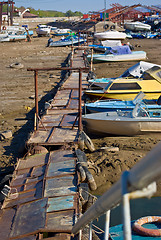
x: 61, y: 186
x: 32, y: 216
x: 61, y: 168
x: 68, y: 121
x: 61, y: 156
x: 60, y: 222
x: 61, y: 203
x: 6, y: 220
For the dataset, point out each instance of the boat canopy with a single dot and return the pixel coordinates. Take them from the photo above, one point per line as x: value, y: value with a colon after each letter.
x: 119, y: 50
x: 154, y: 72
x: 138, y: 69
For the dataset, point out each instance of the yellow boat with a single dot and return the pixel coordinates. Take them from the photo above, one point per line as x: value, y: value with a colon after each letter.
x: 128, y: 88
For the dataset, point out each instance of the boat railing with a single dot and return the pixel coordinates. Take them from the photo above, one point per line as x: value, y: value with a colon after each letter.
x: 138, y: 182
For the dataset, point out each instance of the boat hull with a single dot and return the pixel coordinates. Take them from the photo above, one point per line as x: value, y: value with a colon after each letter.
x: 117, y: 125
x: 134, y: 56
x: 122, y: 96
x: 111, y: 35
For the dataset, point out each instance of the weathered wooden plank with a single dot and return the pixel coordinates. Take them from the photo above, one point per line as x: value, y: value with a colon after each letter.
x: 51, y: 118
x: 63, y: 94
x: 61, y: 168
x: 6, y: 219
x: 62, y: 156
x: 68, y: 121
x: 60, y: 102
x: 61, y: 203
x: 60, y: 236
x: 39, y: 136
x: 61, y: 136
x: 33, y: 237
x: 73, y: 104
x: 61, y: 111
x: 60, y: 221
x: 61, y: 186
x: 33, y: 161
x: 30, y: 219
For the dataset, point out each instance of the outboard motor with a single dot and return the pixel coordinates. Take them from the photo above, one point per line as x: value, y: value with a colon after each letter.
x: 49, y: 41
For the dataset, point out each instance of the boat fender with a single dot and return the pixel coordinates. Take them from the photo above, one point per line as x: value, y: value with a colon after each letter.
x: 90, y: 179
x: 106, y: 26
x: 137, y: 226
x: 81, y: 171
x: 88, y: 142
x: 81, y: 141
x: 4, y: 28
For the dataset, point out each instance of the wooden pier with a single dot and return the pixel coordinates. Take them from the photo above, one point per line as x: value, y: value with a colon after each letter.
x: 44, y: 199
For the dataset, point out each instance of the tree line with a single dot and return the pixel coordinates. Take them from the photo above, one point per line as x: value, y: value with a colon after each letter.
x: 47, y: 13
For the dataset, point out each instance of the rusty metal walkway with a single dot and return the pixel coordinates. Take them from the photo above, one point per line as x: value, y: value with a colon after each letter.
x: 44, y: 201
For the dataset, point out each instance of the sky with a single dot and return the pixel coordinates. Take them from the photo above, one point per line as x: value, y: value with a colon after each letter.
x: 83, y: 6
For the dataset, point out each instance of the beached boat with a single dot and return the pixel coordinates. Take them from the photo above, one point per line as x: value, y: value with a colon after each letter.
x: 62, y: 32
x: 129, y: 123
x: 11, y: 37
x: 127, y: 89
x: 43, y: 30
x: 106, y: 44
x: 114, y: 105
x: 118, y: 54
x: 113, y: 35
x: 68, y: 41
x: 137, y: 26
x: 136, y: 71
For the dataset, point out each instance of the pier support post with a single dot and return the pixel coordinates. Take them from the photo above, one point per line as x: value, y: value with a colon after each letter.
x: 80, y: 101
x: 36, y: 97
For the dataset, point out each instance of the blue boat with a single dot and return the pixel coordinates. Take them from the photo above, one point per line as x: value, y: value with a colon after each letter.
x: 118, y: 105
x: 68, y: 41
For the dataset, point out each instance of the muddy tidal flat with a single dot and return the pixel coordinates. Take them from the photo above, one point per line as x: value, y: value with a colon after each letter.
x: 17, y: 103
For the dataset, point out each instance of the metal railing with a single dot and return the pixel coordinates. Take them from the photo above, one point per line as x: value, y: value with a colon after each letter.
x: 131, y: 185
x: 78, y: 69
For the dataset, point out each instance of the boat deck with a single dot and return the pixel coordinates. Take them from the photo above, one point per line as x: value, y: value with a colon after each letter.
x: 46, y: 202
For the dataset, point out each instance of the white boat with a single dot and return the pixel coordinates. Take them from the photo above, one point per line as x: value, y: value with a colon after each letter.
x: 119, y: 54
x: 137, y: 26
x: 43, y: 30
x: 115, y: 35
x: 11, y: 37
x: 129, y: 123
